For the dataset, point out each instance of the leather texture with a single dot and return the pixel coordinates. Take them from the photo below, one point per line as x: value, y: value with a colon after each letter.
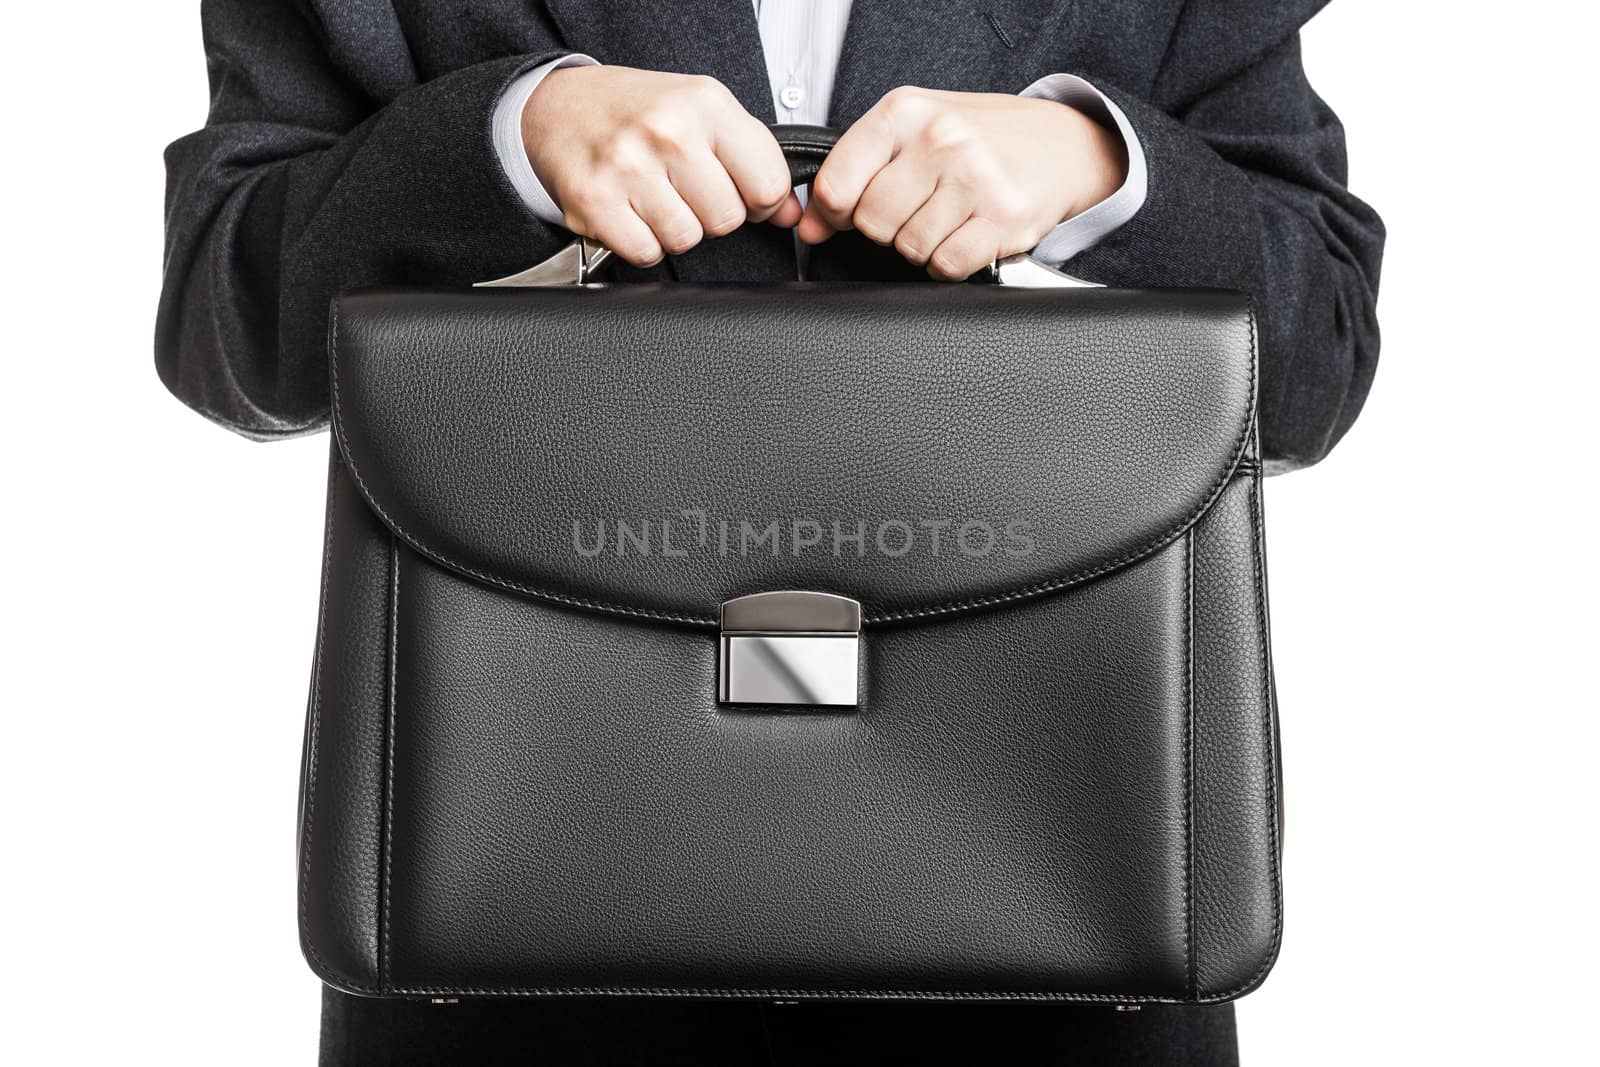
x: 805, y: 147
x: 754, y: 404
x: 1061, y: 781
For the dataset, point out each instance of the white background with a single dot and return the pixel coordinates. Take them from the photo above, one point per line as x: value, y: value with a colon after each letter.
x: 1433, y: 583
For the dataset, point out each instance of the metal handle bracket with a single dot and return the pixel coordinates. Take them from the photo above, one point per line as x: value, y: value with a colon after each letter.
x: 573, y: 265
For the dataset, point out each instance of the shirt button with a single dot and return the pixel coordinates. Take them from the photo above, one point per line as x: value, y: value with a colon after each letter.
x: 792, y: 96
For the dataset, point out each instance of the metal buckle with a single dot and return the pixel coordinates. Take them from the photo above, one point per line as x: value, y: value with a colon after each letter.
x: 790, y: 647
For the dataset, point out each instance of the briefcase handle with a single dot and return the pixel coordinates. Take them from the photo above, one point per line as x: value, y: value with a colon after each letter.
x: 804, y: 147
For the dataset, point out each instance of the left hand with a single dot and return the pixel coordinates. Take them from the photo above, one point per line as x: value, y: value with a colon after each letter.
x: 957, y: 180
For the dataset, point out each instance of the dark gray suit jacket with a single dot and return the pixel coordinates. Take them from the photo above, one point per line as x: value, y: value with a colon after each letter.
x: 349, y: 143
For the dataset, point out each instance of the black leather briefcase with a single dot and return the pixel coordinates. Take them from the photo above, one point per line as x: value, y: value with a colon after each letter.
x: 793, y: 641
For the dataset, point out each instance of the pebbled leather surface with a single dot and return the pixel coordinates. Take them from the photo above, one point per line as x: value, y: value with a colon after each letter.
x: 548, y: 832
x: 1237, y: 788
x: 1074, y: 798
x: 1071, y: 795
x: 342, y: 798
x: 483, y: 426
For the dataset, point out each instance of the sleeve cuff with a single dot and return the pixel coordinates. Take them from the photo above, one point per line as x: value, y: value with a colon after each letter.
x: 508, y: 145
x: 1088, y: 228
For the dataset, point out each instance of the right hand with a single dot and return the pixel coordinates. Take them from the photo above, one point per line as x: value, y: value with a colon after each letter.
x: 650, y: 163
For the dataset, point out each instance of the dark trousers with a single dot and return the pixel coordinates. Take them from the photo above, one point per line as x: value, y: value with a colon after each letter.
x: 358, y: 1032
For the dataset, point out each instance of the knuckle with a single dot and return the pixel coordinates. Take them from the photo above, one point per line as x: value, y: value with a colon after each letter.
x: 904, y: 99
x: 948, y: 264
x: 769, y: 190
x: 910, y: 248
x: 638, y: 251
x: 705, y: 90
x: 725, y: 220
x: 948, y: 133
x: 661, y: 128
x: 826, y: 195
x: 679, y: 237
x: 626, y: 156
x: 874, y: 227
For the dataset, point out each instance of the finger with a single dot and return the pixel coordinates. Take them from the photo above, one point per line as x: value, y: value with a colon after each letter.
x: 626, y: 234
x: 862, y: 151
x: 789, y: 212
x: 813, y: 229
x: 752, y: 159
x: 973, y: 245
x: 674, y: 225
x: 892, y: 196
x: 704, y: 185
x: 943, y: 213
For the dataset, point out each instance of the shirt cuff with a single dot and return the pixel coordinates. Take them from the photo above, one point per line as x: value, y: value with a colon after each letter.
x: 1088, y: 228
x: 508, y: 144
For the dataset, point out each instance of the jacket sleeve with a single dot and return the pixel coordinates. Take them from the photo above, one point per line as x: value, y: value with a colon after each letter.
x: 326, y: 162
x: 1247, y: 174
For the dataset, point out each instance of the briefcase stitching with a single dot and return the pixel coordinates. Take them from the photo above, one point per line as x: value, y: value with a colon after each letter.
x: 1188, y: 764
x: 1269, y: 701
x: 901, y: 615
x: 313, y: 752
x: 1161, y: 541
x: 415, y: 543
x: 385, y: 987
x: 388, y: 757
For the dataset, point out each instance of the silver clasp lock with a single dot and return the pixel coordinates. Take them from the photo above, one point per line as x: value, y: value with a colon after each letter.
x: 790, y: 647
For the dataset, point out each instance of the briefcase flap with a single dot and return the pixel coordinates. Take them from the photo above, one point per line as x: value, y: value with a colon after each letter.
x: 658, y: 450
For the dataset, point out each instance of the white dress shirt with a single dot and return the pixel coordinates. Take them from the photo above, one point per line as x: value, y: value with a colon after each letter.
x: 801, y: 41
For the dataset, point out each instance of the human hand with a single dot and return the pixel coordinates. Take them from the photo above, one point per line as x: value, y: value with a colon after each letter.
x: 647, y: 162
x: 956, y: 180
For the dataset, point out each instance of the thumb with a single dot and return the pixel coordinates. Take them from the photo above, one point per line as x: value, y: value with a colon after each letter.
x: 813, y: 228
x: 788, y: 214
